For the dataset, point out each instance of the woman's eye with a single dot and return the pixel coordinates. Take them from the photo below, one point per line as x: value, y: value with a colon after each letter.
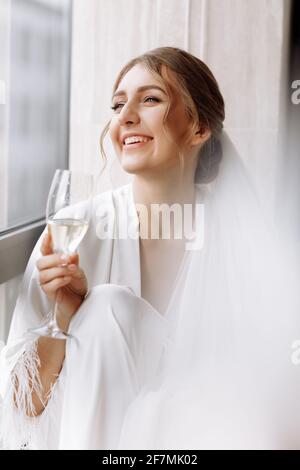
x: 153, y: 98
x: 117, y: 105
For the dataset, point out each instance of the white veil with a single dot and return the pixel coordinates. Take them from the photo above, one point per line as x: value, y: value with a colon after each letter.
x: 227, y: 379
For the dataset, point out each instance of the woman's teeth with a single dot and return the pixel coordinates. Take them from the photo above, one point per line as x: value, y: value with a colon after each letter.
x: 135, y: 140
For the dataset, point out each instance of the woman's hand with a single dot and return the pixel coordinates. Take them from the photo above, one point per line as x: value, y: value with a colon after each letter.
x: 61, y: 275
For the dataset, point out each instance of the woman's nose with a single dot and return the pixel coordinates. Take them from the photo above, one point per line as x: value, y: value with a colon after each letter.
x: 128, y: 115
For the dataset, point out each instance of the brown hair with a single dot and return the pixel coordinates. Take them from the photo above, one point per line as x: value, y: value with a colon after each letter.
x: 200, y: 92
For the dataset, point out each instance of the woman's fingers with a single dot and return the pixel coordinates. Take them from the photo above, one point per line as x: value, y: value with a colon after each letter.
x: 58, y: 270
x: 52, y: 286
x: 48, y: 275
x: 50, y: 261
x: 74, y: 258
x: 78, y: 284
x: 46, y: 247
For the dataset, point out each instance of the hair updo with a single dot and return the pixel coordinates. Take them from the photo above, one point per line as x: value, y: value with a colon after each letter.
x: 201, y: 96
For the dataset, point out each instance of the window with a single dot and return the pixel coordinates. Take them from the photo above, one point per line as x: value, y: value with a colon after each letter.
x: 35, y: 38
x: 36, y: 121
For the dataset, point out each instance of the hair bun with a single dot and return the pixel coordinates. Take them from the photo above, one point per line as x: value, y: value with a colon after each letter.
x: 209, y: 159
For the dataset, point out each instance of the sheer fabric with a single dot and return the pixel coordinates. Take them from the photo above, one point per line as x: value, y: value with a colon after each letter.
x: 214, y: 372
x: 228, y: 380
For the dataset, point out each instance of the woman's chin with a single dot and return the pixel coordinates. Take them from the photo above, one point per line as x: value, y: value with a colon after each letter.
x: 134, y: 164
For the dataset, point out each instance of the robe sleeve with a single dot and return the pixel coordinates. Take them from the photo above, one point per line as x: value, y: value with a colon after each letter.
x: 19, y: 361
x: 32, y: 305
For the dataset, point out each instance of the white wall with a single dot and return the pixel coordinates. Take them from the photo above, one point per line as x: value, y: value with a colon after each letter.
x: 244, y: 43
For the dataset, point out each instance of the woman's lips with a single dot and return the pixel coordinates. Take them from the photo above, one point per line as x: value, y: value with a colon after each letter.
x: 135, y: 145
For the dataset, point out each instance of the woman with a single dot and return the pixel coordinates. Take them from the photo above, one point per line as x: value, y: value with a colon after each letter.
x: 169, y: 347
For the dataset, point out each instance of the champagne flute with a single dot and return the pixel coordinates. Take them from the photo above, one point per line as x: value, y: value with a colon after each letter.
x: 68, y: 213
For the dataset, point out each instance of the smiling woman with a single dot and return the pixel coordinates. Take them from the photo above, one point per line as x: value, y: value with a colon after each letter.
x: 158, y: 130
x: 177, y: 345
x: 177, y: 107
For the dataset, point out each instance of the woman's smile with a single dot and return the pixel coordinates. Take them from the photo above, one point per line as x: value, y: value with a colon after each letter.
x: 135, y: 145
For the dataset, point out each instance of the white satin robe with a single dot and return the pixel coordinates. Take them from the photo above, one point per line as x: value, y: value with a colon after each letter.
x: 117, y: 345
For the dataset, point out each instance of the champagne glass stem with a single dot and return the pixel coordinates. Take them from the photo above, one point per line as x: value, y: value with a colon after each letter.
x: 51, y: 329
x: 55, y: 312
x: 57, y: 331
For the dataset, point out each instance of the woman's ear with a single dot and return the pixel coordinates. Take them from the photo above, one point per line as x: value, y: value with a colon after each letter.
x: 200, y: 137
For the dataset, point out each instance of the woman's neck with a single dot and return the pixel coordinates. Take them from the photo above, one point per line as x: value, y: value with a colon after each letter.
x: 152, y: 192
x: 161, y: 189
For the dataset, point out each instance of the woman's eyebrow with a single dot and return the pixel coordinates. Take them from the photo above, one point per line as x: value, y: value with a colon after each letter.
x: 141, y: 88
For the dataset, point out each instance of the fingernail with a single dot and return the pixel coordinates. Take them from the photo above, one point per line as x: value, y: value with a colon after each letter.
x: 72, y: 267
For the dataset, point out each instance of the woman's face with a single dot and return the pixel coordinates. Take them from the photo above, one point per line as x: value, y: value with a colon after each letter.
x: 141, y: 113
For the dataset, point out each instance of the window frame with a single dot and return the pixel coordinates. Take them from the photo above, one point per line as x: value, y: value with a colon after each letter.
x: 17, y: 242
x: 16, y: 245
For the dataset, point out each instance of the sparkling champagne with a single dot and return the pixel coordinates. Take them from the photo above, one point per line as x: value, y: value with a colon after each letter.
x: 66, y: 234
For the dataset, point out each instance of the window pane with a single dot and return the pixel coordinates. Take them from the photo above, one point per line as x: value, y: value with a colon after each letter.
x: 35, y: 117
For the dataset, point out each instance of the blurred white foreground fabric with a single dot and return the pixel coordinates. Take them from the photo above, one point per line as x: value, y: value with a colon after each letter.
x: 229, y: 381
x: 214, y: 372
